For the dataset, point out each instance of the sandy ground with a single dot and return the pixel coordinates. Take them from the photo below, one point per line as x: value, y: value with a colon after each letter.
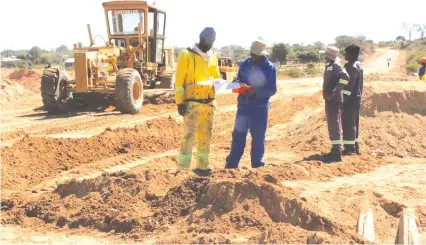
x: 103, y: 177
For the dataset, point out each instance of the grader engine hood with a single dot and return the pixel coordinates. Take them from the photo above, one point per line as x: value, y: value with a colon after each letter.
x: 93, y: 64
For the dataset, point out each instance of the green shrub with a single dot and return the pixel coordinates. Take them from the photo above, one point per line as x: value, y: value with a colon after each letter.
x: 414, y: 56
x: 311, y: 72
x: 294, y: 73
x: 412, y: 68
x: 311, y: 66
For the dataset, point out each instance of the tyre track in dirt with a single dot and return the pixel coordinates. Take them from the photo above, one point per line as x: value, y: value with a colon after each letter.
x: 84, y: 124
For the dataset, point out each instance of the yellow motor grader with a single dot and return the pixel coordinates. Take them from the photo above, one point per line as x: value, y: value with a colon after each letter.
x: 134, y: 57
x: 228, y: 69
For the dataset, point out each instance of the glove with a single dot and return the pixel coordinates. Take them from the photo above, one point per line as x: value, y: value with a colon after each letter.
x: 182, y: 109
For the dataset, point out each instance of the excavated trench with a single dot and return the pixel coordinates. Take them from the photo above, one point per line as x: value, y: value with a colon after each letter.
x: 391, y: 124
x: 409, y: 102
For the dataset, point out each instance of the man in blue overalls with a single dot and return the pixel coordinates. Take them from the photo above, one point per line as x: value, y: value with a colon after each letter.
x: 257, y: 74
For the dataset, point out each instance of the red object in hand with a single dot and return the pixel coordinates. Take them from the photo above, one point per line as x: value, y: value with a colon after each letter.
x: 242, y: 90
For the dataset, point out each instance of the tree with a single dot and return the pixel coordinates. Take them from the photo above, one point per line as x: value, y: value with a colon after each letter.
x: 35, y: 53
x: 44, y: 60
x: 62, y: 49
x: 421, y: 29
x: 240, y: 53
x: 400, y: 39
x: 344, y: 41
x: 308, y: 57
x: 21, y: 56
x: 318, y: 46
x: 280, y: 52
x: 410, y: 28
x: 361, y: 39
x: 298, y: 48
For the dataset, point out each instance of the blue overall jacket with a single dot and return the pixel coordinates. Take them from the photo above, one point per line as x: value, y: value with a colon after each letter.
x: 262, y: 77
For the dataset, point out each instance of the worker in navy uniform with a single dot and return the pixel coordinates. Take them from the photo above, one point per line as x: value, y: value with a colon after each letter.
x: 352, y: 97
x: 335, y: 80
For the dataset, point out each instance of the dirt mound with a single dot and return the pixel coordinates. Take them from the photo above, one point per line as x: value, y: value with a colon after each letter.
x: 13, y: 94
x: 21, y: 73
x: 410, y: 102
x: 29, y: 79
x: 394, y: 77
x: 180, y: 207
x: 52, y: 156
x: 10, y: 89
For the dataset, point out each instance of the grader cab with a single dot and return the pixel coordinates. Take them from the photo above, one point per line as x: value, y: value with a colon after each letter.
x: 228, y: 70
x: 134, y: 57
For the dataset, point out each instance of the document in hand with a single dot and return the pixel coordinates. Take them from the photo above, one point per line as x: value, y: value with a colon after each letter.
x: 220, y: 85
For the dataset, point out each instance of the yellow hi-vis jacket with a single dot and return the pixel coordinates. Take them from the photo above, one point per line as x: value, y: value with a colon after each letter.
x: 192, y: 68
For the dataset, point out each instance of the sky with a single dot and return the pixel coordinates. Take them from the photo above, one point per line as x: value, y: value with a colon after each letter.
x: 51, y: 23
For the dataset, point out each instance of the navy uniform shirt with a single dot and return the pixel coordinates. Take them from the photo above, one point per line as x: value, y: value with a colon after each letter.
x: 355, y: 86
x: 334, y: 75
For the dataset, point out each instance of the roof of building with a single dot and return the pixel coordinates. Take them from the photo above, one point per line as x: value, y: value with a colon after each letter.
x: 6, y: 59
x: 70, y: 60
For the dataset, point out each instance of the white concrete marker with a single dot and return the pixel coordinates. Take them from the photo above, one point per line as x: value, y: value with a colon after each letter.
x: 407, y: 228
x: 366, y: 224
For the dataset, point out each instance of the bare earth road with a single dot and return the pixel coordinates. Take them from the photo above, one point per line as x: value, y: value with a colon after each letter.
x: 62, y: 176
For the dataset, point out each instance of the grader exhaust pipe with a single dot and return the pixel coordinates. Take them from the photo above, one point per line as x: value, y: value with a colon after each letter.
x: 90, y: 35
x: 140, y: 41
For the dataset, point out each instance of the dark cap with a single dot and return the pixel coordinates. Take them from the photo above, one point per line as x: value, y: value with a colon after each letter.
x: 208, y: 33
x: 353, y: 49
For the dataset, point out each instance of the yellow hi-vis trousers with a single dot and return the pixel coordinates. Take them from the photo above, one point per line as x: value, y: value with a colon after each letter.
x: 423, y: 78
x: 198, y: 121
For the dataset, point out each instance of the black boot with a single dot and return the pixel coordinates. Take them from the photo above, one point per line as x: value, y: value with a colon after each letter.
x: 349, y: 150
x: 335, y: 155
x: 357, y: 148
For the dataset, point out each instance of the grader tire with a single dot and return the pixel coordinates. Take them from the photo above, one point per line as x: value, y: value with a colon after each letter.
x: 128, y: 91
x: 52, y: 90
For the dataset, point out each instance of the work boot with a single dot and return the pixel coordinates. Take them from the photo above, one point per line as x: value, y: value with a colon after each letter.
x: 349, y: 150
x: 202, y: 172
x: 335, y: 155
x: 357, y: 148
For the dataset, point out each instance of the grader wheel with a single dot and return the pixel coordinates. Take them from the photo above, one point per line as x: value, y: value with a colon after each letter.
x: 128, y: 91
x: 53, y: 90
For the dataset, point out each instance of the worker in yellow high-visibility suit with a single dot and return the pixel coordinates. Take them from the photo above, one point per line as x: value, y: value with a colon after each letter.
x: 422, y: 69
x: 196, y: 103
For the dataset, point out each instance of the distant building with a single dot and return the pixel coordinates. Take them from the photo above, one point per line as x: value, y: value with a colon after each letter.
x: 11, y: 62
x: 69, y: 63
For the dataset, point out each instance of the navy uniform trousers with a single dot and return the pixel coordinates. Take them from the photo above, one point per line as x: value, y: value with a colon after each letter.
x: 333, y: 112
x: 350, y: 121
